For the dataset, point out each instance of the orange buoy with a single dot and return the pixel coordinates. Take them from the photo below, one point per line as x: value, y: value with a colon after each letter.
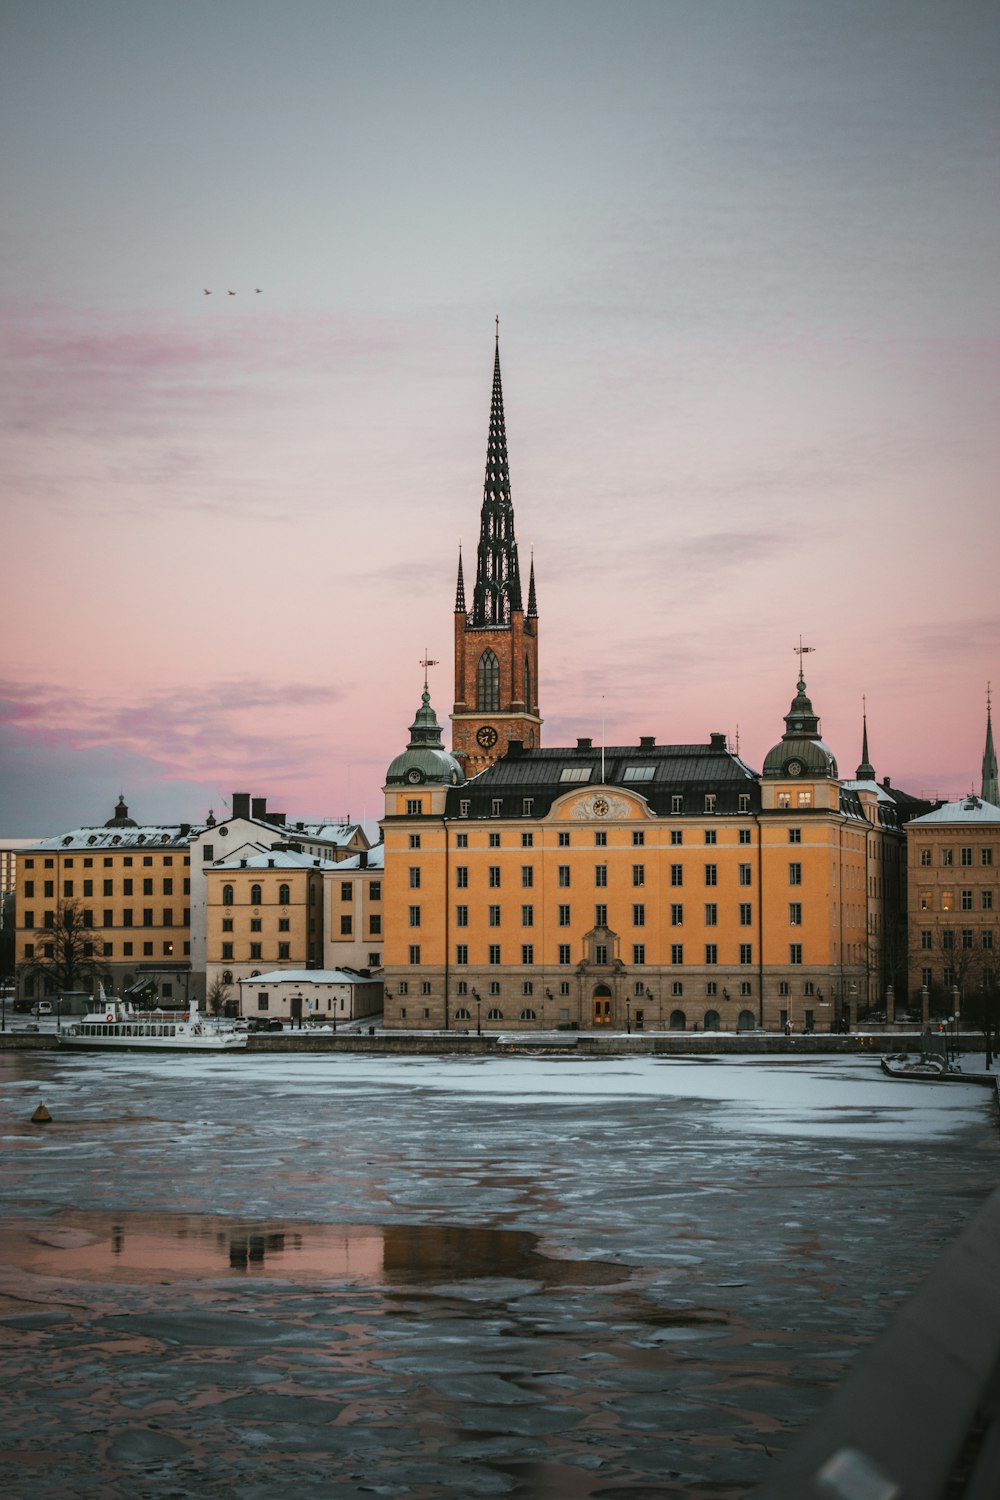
x: 41, y: 1116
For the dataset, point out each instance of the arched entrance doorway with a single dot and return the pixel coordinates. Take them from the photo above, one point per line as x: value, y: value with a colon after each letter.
x: 602, y: 1005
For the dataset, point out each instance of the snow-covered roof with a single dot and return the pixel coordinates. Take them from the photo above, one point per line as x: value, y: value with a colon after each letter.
x: 870, y: 786
x: 309, y: 976
x: 165, y: 836
x: 374, y: 859
x: 969, y: 809
x: 277, y: 859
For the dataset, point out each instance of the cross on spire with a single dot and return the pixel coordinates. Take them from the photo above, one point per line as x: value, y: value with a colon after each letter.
x: 426, y: 662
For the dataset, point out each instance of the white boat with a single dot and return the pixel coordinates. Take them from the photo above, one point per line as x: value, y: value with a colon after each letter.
x: 115, y: 1026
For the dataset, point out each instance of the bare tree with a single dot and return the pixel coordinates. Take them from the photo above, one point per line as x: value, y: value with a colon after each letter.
x: 217, y: 996
x: 65, y: 953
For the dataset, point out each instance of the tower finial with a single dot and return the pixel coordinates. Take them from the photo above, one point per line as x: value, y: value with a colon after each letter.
x: 865, y: 771
x: 425, y: 663
x: 800, y: 652
x: 498, y: 330
x: 460, y: 586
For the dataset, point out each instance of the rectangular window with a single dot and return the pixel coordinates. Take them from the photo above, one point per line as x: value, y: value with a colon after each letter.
x: 494, y: 876
x: 966, y: 937
x: 743, y: 806
x: 255, y: 950
x: 147, y: 887
x: 462, y: 953
x: 795, y: 953
x: 804, y: 799
x: 564, y: 953
x: 563, y: 840
x: 600, y: 839
x: 374, y: 925
x: 414, y: 844
x: 966, y: 900
x: 147, y: 916
x: 986, y: 856
x: 600, y: 874
x: 414, y: 919
x: 496, y: 807
x: 88, y: 888
x: 676, y: 953
x: 207, y: 852
x: 947, y: 856
x: 494, y: 841
x: 564, y: 875
x: 527, y: 916
x: 600, y: 915
x: 744, y: 837
x: 925, y: 856
x: 461, y: 916
x: 109, y: 888
x: 711, y: 874
x: 711, y: 953
x: 463, y: 807
x: 284, y: 924
x: 284, y: 950
x: 126, y: 887
x: 710, y: 802
x: 494, y: 915
x: 947, y: 900
x: 676, y: 804
x: 227, y: 951
x: 527, y: 953
x: 987, y: 900
x: 746, y: 953
x: 127, y: 916
x: 783, y: 987
x: 414, y: 807
x: 677, y: 987
x: 711, y: 914
x: 677, y: 914
x: 967, y: 856
x: 575, y: 773
x: 461, y: 841
x: 676, y: 836
x: 168, y: 886
x: 794, y: 874
x: 795, y: 913
x: 147, y: 950
x: 461, y: 876
x: 710, y: 836
x: 527, y: 876
x: 638, y: 874
x: 494, y: 953
x: 29, y: 919
x: 638, y: 836
x: 527, y: 839
x: 414, y: 953
x: 109, y: 919
x: 414, y: 877
x: 676, y: 874
x: 638, y: 915
x: 638, y: 773
x: 256, y: 925
x: 795, y: 835
x: 926, y: 939
x: 564, y: 916
x: 600, y: 953
x: 746, y: 914
x: 638, y: 953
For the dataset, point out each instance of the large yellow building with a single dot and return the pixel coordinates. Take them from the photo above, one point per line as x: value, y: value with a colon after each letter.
x: 665, y: 886
x: 130, y: 884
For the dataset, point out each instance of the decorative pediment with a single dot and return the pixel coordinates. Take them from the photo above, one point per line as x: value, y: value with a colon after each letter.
x: 601, y: 806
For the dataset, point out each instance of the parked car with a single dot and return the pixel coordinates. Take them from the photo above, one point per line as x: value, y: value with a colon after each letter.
x: 43, y: 1008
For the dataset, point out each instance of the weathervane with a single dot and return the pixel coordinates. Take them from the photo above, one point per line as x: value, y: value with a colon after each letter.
x: 427, y: 662
x: 800, y: 652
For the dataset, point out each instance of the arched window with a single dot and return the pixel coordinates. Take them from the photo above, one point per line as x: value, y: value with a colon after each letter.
x: 527, y: 684
x: 227, y: 976
x: 528, y: 1015
x: 488, y: 682
x: 284, y: 896
x: 678, y: 1020
x: 255, y: 895
x: 746, y: 1021
x: 713, y: 1021
x: 227, y: 895
x: 462, y: 1014
x: 494, y: 1014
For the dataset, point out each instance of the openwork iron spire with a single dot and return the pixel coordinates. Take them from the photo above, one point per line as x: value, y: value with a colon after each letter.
x: 498, y: 579
x: 532, y: 606
x: 460, y: 587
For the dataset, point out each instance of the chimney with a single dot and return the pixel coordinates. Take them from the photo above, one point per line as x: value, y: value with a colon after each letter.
x: 185, y: 830
x: 363, y: 860
x: 243, y: 864
x: 270, y: 864
x: 515, y: 747
x: 717, y: 741
x: 647, y: 741
x: 584, y: 744
x: 278, y: 818
x: 241, y: 804
x: 259, y: 806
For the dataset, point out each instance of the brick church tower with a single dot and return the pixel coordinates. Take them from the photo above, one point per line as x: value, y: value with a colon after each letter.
x: 496, y: 643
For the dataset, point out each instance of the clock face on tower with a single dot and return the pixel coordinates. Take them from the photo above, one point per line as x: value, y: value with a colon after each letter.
x: 487, y: 737
x: 414, y: 775
x: 794, y: 768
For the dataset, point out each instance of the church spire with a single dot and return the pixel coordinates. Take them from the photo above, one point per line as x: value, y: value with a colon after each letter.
x: 498, y: 579
x: 991, y: 790
x: 532, y: 606
x: 866, y: 771
x: 460, y: 587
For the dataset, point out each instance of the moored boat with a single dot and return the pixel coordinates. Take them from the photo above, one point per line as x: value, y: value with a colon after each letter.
x: 932, y: 1068
x: 114, y: 1025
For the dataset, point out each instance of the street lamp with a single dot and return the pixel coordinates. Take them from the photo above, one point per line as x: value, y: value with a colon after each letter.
x: 628, y: 1015
x: 479, y: 1026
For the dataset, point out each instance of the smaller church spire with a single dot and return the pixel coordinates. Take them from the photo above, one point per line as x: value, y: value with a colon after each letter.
x: 866, y: 771
x: 532, y: 606
x: 460, y: 588
x: 991, y: 789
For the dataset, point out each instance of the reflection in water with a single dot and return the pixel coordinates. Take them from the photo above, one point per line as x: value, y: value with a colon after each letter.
x: 140, y: 1247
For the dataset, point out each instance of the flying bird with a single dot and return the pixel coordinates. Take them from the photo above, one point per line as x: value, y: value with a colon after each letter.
x: 206, y: 291
x: 232, y: 294
x: 258, y: 288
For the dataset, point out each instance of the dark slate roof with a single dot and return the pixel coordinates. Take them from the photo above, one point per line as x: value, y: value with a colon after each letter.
x: 686, y: 770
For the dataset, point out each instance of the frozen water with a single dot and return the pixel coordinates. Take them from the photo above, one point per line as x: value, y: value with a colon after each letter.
x: 539, y: 1277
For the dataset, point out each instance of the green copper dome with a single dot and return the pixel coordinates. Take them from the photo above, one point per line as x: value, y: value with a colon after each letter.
x: 425, y: 759
x: 802, y: 751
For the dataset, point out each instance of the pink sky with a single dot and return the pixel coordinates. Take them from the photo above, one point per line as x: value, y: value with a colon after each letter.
x: 745, y: 260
